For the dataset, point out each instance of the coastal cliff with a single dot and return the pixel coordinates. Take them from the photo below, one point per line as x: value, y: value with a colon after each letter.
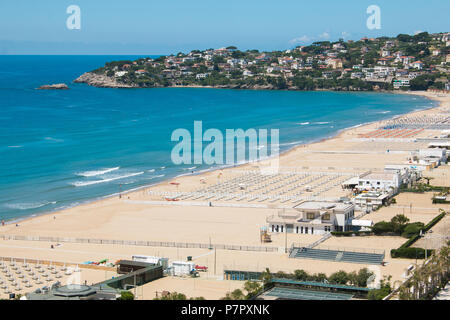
x: 104, y: 81
x: 101, y: 81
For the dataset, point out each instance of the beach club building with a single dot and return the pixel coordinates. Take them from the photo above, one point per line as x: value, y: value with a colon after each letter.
x: 313, y: 217
x: 384, y: 181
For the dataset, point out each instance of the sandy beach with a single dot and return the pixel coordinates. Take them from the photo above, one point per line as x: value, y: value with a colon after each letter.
x: 144, y: 214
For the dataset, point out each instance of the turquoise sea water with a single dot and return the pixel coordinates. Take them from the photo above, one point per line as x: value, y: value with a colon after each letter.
x: 61, y: 148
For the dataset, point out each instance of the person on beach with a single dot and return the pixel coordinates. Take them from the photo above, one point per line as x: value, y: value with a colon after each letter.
x: 3, y: 223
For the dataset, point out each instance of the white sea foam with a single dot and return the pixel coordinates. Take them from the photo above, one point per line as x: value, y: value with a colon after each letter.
x: 14, y: 146
x: 308, y: 123
x: 53, y: 139
x: 28, y: 205
x: 323, y: 122
x: 151, y: 170
x: 88, y: 183
x: 290, y: 143
x: 97, y: 172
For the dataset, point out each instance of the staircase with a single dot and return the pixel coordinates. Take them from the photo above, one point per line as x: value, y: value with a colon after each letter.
x: 315, y: 244
x: 339, y: 256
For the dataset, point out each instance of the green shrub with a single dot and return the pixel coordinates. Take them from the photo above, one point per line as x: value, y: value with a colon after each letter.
x: 434, y: 221
x: 359, y: 279
x: 399, y: 222
x: 410, y: 253
x: 382, y: 227
x: 412, y: 229
x: 126, y: 295
x: 301, y: 275
x: 235, y: 295
x: 340, y: 277
x: 319, y: 277
x: 410, y: 242
x: 379, y: 294
x: 363, y: 275
x: 440, y: 201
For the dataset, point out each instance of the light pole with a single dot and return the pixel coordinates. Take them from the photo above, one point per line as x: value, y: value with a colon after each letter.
x: 215, y: 260
x: 285, y: 239
x: 135, y: 291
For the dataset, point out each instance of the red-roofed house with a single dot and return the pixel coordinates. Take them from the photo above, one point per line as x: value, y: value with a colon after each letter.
x: 418, y: 65
x: 383, y: 61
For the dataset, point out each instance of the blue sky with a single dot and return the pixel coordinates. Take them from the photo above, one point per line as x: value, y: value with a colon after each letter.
x: 163, y: 27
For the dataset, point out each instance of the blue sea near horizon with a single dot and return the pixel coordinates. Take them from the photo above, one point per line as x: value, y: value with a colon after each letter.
x: 59, y: 148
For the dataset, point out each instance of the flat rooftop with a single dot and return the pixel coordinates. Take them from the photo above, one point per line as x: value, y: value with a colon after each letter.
x: 378, y: 176
x: 322, y: 205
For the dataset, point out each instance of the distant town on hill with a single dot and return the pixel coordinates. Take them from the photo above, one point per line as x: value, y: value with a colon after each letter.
x: 406, y: 62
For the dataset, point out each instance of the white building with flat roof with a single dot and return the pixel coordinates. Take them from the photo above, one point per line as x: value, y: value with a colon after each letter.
x: 181, y: 268
x: 164, y: 262
x: 313, y: 217
x: 408, y: 174
x: 438, y: 154
x: 369, y: 201
x: 383, y: 181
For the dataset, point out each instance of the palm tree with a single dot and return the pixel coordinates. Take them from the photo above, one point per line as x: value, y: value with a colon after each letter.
x: 266, y: 277
x: 428, y: 180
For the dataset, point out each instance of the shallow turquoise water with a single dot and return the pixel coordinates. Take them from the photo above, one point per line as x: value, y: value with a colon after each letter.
x: 61, y: 148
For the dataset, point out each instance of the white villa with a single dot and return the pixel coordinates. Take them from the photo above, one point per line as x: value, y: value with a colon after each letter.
x: 313, y: 217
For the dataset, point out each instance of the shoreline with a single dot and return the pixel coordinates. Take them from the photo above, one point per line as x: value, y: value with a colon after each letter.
x: 295, y: 147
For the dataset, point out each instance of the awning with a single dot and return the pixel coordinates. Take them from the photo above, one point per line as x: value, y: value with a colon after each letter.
x: 362, y: 223
x: 351, y: 181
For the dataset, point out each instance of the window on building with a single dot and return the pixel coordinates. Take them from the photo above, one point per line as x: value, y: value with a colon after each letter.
x: 282, y: 227
x: 296, y: 229
x: 310, y: 215
x: 326, y: 216
x: 306, y: 230
x: 301, y: 229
